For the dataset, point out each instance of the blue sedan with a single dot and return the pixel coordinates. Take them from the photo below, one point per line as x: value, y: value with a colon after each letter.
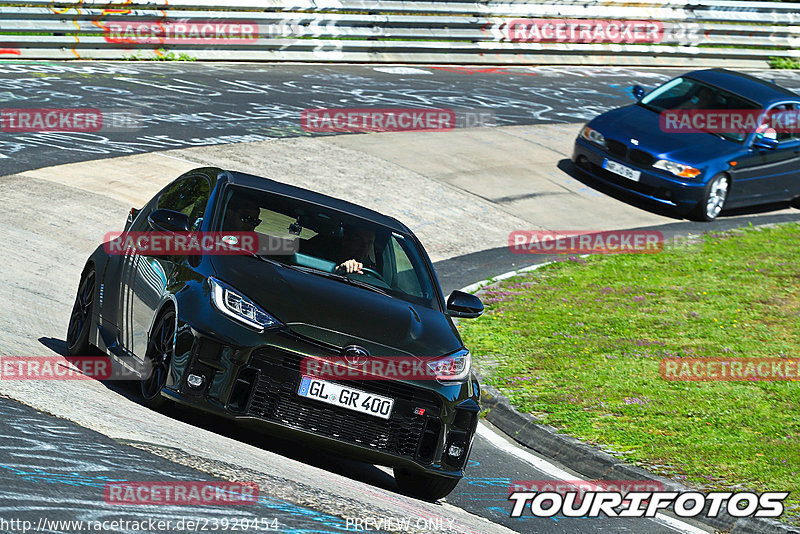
x: 698, y: 170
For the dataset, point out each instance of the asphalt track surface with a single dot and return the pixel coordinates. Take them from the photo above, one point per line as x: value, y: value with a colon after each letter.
x: 54, y: 468
x: 186, y: 104
x: 53, y: 471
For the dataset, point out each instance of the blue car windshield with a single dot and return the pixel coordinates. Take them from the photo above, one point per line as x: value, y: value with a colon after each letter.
x: 322, y: 239
x: 689, y: 94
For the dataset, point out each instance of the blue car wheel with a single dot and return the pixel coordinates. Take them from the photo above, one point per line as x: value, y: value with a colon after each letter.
x: 713, y: 200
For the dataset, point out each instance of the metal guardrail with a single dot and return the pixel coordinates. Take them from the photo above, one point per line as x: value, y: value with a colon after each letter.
x: 670, y: 32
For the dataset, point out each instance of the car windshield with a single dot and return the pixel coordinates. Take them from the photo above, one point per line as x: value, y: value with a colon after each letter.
x: 323, y: 239
x: 689, y: 94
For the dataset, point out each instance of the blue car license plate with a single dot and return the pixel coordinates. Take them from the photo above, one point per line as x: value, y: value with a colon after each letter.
x: 621, y: 170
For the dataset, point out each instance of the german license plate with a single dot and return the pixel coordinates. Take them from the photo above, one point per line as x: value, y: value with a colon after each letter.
x: 346, y: 397
x: 622, y: 170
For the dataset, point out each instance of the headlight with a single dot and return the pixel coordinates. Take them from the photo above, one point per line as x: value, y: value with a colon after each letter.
x: 453, y: 367
x: 235, y: 305
x: 678, y: 169
x: 593, y: 135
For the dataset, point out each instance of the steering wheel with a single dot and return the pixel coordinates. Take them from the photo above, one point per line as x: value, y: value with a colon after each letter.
x: 366, y: 270
x: 374, y: 273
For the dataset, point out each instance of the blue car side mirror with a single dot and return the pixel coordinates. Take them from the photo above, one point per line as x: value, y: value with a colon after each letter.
x: 765, y: 143
x: 638, y: 92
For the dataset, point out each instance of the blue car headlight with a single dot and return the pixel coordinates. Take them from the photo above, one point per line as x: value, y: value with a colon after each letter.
x: 237, y: 306
x: 678, y: 169
x: 594, y: 136
x: 455, y: 366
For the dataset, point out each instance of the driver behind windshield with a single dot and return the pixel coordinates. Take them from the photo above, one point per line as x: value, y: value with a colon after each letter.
x: 241, y: 215
x: 702, y: 99
x: 356, y: 250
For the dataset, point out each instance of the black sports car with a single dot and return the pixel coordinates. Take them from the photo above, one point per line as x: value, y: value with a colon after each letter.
x: 229, y: 333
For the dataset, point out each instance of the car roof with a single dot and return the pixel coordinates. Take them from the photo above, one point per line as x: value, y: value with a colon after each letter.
x: 280, y: 188
x: 750, y: 87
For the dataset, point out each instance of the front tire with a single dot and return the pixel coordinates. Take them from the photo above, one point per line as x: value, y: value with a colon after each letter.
x: 427, y: 487
x: 713, y: 201
x: 160, y: 351
x: 80, y: 320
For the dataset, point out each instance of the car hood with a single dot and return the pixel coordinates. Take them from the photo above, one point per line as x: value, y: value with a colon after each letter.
x: 339, y: 314
x: 637, y: 122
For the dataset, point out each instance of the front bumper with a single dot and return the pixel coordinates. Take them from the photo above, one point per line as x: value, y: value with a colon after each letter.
x: 652, y: 185
x: 258, y: 386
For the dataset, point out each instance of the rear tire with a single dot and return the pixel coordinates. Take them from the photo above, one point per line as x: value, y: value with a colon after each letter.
x: 795, y: 203
x: 80, y: 319
x: 713, y: 201
x: 427, y: 487
x: 160, y: 351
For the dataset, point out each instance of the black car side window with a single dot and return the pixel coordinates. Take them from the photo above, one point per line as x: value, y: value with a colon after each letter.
x: 188, y: 195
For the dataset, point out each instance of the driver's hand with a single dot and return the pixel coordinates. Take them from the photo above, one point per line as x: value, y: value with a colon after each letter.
x: 351, y: 266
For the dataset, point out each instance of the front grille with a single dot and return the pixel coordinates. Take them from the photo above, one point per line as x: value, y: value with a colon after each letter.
x: 397, y: 390
x: 640, y: 157
x: 278, y: 358
x: 616, y: 148
x: 275, y: 399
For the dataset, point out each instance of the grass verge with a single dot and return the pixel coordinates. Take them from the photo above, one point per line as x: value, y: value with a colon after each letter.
x: 578, y: 344
x: 784, y: 63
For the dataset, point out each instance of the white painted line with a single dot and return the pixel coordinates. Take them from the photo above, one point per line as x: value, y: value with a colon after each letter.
x: 539, y: 463
x: 478, y: 285
x: 559, y: 474
x: 401, y: 70
x: 677, y: 524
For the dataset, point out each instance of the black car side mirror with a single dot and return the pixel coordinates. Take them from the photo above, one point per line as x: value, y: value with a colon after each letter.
x: 168, y: 221
x: 460, y: 304
x: 765, y: 143
x: 638, y: 92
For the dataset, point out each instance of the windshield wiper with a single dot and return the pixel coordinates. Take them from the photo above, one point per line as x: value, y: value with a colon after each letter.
x: 276, y: 262
x: 359, y: 283
x: 332, y: 276
x: 286, y: 265
x: 326, y: 274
